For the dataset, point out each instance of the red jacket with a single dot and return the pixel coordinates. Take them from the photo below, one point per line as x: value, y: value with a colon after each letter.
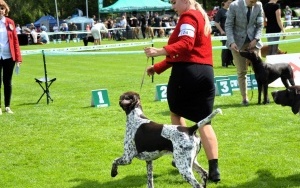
x: 196, y: 49
x: 13, y: 40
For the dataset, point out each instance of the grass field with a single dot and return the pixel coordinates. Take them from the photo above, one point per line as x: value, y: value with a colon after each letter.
x: 68, y: 143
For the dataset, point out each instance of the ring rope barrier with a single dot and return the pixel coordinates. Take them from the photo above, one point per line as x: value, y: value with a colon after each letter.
x: 81, y: 50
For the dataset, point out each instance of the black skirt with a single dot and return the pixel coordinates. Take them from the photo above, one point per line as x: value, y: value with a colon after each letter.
x: 191, y: 90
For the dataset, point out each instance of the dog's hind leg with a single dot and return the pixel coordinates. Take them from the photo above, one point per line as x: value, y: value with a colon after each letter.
x: 203, y: 173
x: 285, y: 82
x: 187, y: 174
x: 183, y: 159
x: 150, y: 174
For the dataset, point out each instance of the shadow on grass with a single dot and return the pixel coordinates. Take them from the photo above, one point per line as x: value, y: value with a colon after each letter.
x: 268, y: 180
x: 27, y: 104
x: 236, y: 105
x: 128, y: 181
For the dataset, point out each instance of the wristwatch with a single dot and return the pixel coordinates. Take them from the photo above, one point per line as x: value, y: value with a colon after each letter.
x: 257, y: 40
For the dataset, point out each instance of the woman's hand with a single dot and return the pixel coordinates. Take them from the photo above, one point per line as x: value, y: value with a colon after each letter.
x: 154, y: 52
x: 150, y: 70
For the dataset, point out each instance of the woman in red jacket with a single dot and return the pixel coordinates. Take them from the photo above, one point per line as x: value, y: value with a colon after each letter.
x: 10, y: 53
x: 191, y: 89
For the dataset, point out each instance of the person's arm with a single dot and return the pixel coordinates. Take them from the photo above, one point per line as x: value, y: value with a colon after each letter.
x: 259, y: 23
x: 218, y: 21
x: 279, y: 22
x: 219, y: 28
x: 229, y: 24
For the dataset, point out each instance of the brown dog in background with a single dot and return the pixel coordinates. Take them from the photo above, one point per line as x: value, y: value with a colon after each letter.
x: 265, y: 50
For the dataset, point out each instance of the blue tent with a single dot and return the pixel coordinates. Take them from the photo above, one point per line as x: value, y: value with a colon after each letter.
x: 136, y: 5
x: 46, y: 20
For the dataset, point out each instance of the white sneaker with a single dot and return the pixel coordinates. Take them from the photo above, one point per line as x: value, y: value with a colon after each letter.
x: 8, y: 110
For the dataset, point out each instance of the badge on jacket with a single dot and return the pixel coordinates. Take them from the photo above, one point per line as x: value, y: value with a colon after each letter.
x: 11, y: 27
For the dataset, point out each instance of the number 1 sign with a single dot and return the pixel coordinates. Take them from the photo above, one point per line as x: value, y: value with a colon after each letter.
x: 100, y: 98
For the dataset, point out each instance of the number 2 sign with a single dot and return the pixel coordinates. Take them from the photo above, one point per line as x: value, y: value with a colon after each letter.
x: 161, y: 92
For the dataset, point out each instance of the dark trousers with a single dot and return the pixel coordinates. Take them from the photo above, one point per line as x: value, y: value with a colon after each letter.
x: 7, y: 65
x: 143, y: 29
x: 226, y: 56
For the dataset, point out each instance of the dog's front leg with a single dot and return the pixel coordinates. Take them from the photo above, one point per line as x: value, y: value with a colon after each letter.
x: 265, y: 92
x: 150, y: 174
x: 124, y: 160
x: 259, y: 87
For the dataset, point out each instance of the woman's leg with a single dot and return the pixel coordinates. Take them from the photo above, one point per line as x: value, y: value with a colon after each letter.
x: 177, y: 120
x: 209, y: 143
x: 8, y: 68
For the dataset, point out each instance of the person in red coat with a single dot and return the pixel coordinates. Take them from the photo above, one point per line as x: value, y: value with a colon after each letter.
x: 10, y: 54
x: 190, y: 90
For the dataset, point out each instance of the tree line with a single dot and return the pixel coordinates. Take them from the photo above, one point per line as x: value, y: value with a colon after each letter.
x: 29, y: 11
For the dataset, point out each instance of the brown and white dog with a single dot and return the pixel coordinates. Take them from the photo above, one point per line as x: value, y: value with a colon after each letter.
x: 289, y: 97
x: 266, y: 73
x: 265, y: 50
x: 147, y: 140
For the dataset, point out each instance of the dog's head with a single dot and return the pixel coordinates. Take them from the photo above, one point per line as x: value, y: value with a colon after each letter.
x: 289, y: 97
x: 129, y: 101
x: 250, y: 54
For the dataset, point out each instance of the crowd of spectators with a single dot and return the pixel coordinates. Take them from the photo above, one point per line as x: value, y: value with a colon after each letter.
x: 134, y: 26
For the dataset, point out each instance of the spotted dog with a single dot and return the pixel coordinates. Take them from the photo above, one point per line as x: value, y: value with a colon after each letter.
x: 147, y: 140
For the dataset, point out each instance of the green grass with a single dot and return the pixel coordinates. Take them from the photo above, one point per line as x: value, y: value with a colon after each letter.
x: 70, y: 144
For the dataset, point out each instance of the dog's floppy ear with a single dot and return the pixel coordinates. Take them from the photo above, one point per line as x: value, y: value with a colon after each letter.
x: 129, y: 101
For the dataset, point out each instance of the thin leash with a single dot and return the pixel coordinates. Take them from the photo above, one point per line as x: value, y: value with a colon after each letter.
x: 251, y: 83
x: 143, y: 78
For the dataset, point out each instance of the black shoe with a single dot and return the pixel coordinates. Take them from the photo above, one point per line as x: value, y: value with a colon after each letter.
x: 214, y: 176
x: 213, y: 171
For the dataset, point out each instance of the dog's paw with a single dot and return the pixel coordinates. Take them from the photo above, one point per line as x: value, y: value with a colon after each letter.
x: 114, y: 170
x: 267, y: 101
x: 114, y: 173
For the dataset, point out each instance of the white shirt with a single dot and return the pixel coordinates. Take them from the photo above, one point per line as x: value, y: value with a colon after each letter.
x: 100, y: 27
x: 4, y: 45
x: 55, y: 28
x: 123, y: 23
x: 34, y: 35
x: 18, y: 29
x: 44, y: 36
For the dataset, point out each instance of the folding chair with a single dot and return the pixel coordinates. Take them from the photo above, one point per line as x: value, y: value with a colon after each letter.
x: 48, y: 82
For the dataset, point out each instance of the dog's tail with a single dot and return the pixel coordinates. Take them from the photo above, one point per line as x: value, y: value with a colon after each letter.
x: 205, y: 120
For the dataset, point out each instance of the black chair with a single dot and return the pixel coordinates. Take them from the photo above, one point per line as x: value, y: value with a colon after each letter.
x: 23, y: 39
x: 48, y: 82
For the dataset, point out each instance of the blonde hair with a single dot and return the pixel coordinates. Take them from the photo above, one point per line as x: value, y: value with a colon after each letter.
x: 3, y: 4
x: 207, y: 26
